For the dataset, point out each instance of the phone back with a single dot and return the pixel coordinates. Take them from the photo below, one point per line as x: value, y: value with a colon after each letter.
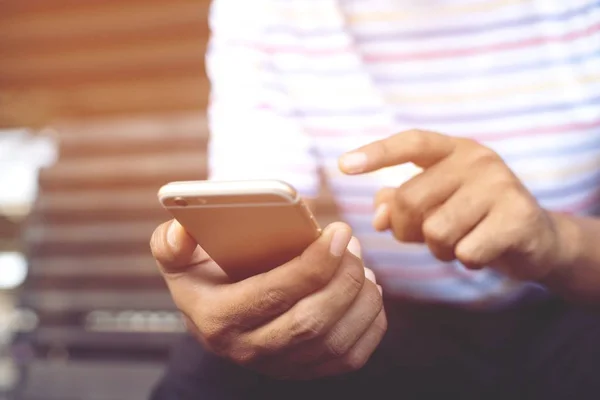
x: 247, y: 235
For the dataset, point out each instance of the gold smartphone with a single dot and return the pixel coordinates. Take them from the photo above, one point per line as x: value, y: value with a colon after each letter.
x: 247, y: 227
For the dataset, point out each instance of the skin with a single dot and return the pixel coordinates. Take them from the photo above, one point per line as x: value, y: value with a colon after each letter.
x: 468, y: 205
x: 318, y: 315
x: 322, y: 313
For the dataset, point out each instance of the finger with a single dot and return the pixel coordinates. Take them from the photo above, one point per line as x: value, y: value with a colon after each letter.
x: 315, y: 315
x: 384, y: 196
x: 419, y: 196
x: 359, y: 354
x: 419, y: 147
x: 383, y: 200
x: 262, y: 297
x: 486, y: 243
x: 174, y: 249
x: 370, y: 275
x: 454, y: 219
x: 346, y: 332
x: 354, y: 248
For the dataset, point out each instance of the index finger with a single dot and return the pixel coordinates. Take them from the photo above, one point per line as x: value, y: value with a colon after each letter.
x: 422, y: 148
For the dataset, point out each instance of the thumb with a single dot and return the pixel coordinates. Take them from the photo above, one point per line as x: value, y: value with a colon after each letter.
x: 383, y: 200
x: 174, y: 249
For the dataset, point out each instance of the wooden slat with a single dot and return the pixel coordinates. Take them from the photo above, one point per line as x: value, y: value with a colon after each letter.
x: 184, y: 26
x: 86, y: 380
x: 81, y: 215
x: 98, y: 17
x: 100, y: 58
x: 81, y: 250
x: 151, y: 60
x: 62, y: 301
x: 45, y: 6
x: 93, y: 266
x: 79, y: 336
x: 107, y: 147
x: 98, y: 283
x: 123, y: 171
x: 100, y: 200
x: 113, y: 321
x: 183, y: 125
x: 97, y: 232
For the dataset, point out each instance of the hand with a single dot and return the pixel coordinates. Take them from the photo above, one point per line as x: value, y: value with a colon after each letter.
x: 465, y: 205
x: 312, y: 317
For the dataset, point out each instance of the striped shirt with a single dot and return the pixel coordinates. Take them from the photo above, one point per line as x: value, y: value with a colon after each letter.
x: 298, y: 82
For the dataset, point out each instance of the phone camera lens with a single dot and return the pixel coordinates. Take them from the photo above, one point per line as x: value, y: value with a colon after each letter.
x: 180, y: 201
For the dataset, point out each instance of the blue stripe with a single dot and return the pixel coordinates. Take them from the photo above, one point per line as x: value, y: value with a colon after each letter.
x: 444, y: 77
x: 438, y: 33
x: 433, y: 119
x: 482, y: 29
x: 589, y: 183
x: 566, y: 150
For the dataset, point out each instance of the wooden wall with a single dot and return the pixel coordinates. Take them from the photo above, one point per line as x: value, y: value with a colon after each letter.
x: 122, y: 84
x: 100, y: 58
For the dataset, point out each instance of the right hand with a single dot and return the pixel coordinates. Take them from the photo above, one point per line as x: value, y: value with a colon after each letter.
x: 312, y: 317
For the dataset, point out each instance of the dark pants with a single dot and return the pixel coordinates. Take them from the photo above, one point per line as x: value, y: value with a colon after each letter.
x: 547, y: 350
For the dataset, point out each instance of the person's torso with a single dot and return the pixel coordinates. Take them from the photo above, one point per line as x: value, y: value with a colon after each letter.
x: 522, y: 77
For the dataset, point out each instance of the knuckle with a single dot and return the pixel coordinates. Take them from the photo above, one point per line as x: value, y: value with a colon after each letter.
x: 336, y: 346
x: 375, y: 299
x: 317, y: 274
x: 354, y: 277
x: 525, y: 207
x: 381, y: 324
x: 407, y: 200
x: 381, y: 149
x: 482, y: 153
x: 214, y: 333
x: 438, y: 229
x: 355, y: 360
x: 307, y: 325
x: 470, y: 257
x: 243, y: 354
x: 274, y: 301
x: 417, y: 138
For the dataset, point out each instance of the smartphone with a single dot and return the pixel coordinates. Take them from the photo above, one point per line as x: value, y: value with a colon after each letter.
x: 247, y: 227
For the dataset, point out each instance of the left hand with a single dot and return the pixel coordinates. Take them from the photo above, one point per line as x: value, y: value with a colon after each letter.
x: 466, y: 204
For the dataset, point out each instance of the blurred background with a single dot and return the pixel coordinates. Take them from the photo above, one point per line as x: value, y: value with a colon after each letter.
x: 101, y: 102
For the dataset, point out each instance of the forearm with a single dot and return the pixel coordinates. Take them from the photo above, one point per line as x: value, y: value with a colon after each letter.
x: 577, y: 273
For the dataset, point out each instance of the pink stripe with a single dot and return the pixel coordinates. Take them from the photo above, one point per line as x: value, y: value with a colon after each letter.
x: 484, y: 137
x: 583, y: 205
x: 549, y: 130
x: 521, y: 44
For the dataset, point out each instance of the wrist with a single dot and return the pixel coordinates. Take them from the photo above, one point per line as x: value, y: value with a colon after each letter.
x: 567, y: 244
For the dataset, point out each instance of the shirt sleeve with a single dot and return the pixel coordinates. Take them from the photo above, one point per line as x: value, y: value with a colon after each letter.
x: 253, y: 131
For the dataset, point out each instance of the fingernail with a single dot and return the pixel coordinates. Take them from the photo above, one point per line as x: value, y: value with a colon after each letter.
x: 381, y: 215
x: 380, y: 289
x: 173, y: 233
x: 339, y: 241
x: 354, y: 247
x: 370, y: 275
x: 353, y: 162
